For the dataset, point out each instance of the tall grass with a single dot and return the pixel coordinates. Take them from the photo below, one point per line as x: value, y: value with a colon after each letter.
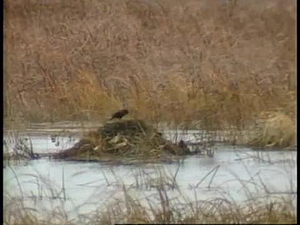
x: 218, y: 62
x: 166, y: 203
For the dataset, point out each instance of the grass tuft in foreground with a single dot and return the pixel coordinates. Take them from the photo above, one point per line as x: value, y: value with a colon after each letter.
x: 166, y: 204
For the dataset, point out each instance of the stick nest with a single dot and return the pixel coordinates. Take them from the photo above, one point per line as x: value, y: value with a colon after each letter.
x: 123, y: 139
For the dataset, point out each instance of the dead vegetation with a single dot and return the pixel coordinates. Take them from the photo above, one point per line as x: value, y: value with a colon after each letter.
x: 218, y: 211
x: 216, y: 64
x: 275, y: 130
x: 160, y: 206
x: 124, y: 139
x: 219, y: 63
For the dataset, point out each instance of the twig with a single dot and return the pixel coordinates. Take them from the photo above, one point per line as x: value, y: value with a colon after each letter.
x: 215, y: 168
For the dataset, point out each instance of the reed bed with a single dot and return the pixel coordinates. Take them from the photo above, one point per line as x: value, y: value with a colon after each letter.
x: 219, y: 63
x: 209, y: 65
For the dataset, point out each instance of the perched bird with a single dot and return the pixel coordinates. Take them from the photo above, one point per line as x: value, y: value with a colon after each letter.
x: 185, y: 149
x: 119, y: 114
x: 182, y: 144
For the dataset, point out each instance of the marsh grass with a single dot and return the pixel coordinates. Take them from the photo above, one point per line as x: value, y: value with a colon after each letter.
x: 208, y: 65
x: 17, y: 147
x: 277, y: 130
x: 218, y: 64
x: 166, y: 204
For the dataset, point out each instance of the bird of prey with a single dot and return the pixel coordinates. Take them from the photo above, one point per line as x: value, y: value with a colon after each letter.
x: 119, y: 114
x: 182, y: 144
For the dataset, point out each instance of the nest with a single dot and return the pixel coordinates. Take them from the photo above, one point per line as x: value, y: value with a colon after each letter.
x: 123, y: 139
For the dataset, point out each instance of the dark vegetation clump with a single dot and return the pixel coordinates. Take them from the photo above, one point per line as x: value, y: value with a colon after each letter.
x: 124, y: 139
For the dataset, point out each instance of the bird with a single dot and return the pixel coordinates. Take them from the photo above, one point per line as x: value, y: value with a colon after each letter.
x: 182, y: 144
x: 119, y: 114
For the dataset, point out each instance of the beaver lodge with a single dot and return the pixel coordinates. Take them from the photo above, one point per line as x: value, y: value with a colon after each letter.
x: 124, y: 140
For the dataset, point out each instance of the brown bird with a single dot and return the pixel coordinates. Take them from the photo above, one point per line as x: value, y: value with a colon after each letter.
x: 182, y: 144
x: 119, y: 114
x: 185, y: 149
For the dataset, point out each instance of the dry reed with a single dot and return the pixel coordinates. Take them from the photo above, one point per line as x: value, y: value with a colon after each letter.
x: 218, y: 62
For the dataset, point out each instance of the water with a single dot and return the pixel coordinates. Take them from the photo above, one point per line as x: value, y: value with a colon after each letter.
x: 234, y: 173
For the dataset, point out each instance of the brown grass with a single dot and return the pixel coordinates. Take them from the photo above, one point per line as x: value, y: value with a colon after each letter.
x: 277, y: 130
x: 270, y: 213
x: 176, y: 61
x: 167, y: 205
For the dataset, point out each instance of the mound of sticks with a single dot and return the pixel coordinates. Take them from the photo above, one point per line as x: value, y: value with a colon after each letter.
x: 123, y: 139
